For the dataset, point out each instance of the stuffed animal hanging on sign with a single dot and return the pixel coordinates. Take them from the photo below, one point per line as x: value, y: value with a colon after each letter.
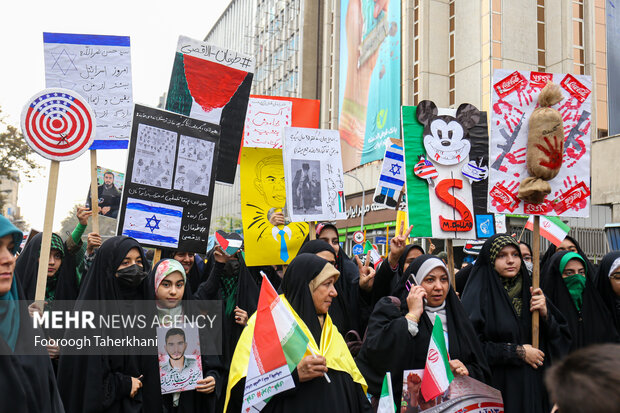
x: 545, y: 146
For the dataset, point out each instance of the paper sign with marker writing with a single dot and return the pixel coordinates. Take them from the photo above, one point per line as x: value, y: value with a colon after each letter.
x: 98, y: 68
x: 314, y: 175
x: 265, y: 121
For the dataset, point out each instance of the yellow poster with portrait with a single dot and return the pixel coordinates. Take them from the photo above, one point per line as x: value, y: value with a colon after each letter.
x: 263, y: 197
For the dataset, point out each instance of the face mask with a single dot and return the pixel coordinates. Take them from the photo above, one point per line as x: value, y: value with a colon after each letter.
x: 232, y: 267
x: 131, y: 276
x: 529, y: 265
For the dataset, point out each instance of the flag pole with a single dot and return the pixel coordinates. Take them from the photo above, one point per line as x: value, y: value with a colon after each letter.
x: 94, y: 191
x: 536, y: 277
x: 450, y: 251
x: 324, y: 374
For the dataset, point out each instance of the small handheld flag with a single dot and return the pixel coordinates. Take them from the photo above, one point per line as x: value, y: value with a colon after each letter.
x: 437, y: 373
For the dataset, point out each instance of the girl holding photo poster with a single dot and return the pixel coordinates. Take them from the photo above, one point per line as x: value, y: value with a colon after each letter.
x: 499, y: 300
x: 168, y: 283
x: 400, y: 327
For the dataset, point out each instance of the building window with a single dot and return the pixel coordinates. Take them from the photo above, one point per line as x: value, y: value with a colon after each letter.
x: 416, y: 52
x: 578, y: 41
x: 540, y: 25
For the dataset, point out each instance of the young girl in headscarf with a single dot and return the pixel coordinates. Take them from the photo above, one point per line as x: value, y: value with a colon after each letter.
x: 400, y: 328
x: 27, y: 381
x: 172, y: 296
x: 109, y: 383
x: 608, y: 284
x: 499, y: 300
x: 569, y: 286
x: 308, y: 290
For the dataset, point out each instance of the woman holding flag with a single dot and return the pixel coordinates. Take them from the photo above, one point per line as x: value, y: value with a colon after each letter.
x: 499, y: 300
x: 400, y: 330
x: 292, y: 337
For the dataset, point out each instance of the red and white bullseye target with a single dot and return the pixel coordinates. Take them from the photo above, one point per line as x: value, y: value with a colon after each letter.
x: 58, y: 124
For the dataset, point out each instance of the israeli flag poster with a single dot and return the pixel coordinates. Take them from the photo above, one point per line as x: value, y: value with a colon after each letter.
x: 153, y: 223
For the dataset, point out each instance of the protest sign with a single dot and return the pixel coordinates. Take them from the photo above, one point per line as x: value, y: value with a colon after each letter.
x: 313, y: 170
x: 169, y: 180
x: 213, y: 85
x: 265, y: 121
x: 392, y: 178
x: 263, y: 193
x: 109, y: 189
x: 514, y: 98
x: 180, y: 366
x: 465, y: 394
x: 370, y: 69
x: 59, y: 125
x: 305, y: 112
x: 98, y: 68
x: 446, y: 168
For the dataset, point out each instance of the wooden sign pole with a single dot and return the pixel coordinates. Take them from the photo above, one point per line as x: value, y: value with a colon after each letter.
x: 536, y: 277
x: 156, y: 256
x: 312, y: 229
x: 94, y: 192
x: 48, y: 223
x: 450, y: 252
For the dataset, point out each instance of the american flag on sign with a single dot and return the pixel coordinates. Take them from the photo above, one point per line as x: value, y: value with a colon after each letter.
x: 424, y: 169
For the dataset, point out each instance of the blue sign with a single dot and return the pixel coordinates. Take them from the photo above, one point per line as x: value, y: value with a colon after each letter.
x: 358, y: 249
x: 485, y: 226
x: 380, y: 240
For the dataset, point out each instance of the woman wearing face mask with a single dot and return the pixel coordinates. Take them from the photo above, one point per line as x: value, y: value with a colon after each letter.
x: 308, y: 291
x: 608, y: 284
x: 169, y: 289
x: 231, y: 282
x: 400, y: 328
x: 499, y: 300
x: 569, y: 286
x: 109, y: 383
x: 27, y: 381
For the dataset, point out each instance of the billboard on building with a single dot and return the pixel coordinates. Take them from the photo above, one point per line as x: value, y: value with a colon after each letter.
x: 369, y: 93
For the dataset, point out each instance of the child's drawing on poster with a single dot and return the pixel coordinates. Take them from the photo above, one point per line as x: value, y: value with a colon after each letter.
x: 154, y: 157
x: 514, y: 98
x: 194, y: 164
x: 264, y: 122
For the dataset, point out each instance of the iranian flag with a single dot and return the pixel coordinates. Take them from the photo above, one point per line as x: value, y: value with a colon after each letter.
x: 437, y: 373
x: 552, y: 228
x: 386, y: 401
x: 278, y: 345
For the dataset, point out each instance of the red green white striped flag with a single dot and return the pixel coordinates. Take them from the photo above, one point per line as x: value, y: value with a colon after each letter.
x: 552, y: 228
x: 278, y: 345
x: 437, y: 373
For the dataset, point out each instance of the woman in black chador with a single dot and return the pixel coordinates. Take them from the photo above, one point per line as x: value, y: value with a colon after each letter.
x: 499, y: 300
x: 400, y: 328
x: 110, y: 383
x: 569, y: 286
x: 608, y: 285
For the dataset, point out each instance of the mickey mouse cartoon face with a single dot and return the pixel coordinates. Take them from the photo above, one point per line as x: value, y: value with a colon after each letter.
x: 444, y: 135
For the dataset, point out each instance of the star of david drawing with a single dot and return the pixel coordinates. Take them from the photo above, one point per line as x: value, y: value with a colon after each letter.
x: 150, y: 225
x: 64, y: 62
x: 395, y: 169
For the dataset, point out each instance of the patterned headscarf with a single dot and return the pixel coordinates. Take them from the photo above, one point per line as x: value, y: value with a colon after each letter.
x: 499, y: 243
x: 165, y: 268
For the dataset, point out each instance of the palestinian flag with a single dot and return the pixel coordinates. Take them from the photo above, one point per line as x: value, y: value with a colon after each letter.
x: 386, y: 401
x: 552, y: 228
x: 278, y: 345
x: 374, y: 254
x: 437, y: 373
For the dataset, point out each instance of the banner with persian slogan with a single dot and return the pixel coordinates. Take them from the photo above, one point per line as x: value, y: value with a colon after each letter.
x: 98, y: 67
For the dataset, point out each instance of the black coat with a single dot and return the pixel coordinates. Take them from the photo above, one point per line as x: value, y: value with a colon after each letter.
x: 594, y: 323
x: 390, y: 347
x: 501, y: 330
x: 603, y: 286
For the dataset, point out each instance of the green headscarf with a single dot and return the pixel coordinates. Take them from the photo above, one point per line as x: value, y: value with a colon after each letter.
x: 577, y: 282
x: 9, y: 312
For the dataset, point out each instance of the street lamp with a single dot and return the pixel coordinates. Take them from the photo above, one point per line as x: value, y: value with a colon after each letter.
x: 363, y: 199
